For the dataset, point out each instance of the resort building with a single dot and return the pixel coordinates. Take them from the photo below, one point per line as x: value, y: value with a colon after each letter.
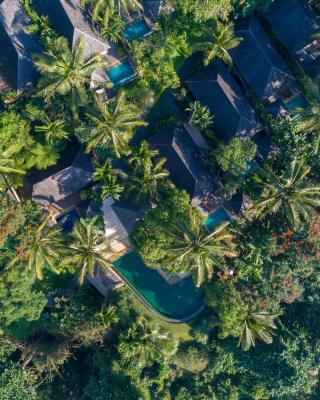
x: 260, y: 66
x: 152, y: 9
x: 185, y: 164
x: 73, y: 21
x: 233, y: 116
x: 17, y: 47
x: 58, y: 189
x: 295, y: 25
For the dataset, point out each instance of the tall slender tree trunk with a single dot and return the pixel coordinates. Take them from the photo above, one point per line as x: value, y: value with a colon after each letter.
x: 12, y: 189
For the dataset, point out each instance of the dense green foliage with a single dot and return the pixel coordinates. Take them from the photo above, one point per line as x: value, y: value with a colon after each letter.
x: 257, y: 338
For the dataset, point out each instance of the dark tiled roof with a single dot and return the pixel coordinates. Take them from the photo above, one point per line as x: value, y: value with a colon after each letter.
x: 215, y: 87
x: 63, y: 186
x: 183, y: 162
x: 128, y: 213
x: 152, y: 8
x: 257, y: 61
x: 17, y: 46
x: 71, y: 20
x: 293, y: 22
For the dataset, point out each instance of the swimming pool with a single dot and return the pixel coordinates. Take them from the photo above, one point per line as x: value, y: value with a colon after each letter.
x: 121, y: 73
x: 67, y: 220
x: 216, y: 218
x: 178, y: 302
x: 295, y: 103
x: 138, y: 29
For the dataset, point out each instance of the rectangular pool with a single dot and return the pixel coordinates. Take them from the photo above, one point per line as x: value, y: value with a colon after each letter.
x: 295, y: 103
x: 136, y: 30
x: 216, y: 218
x: 121, y: 73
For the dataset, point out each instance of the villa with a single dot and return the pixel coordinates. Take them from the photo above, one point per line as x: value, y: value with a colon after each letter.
x: 17, y: 47
x: 184, y: 162
x: 295, y: 25
x: 73, y: 21
x: 215, y: 87
x: 58, y: 189
x: 152, y: 9
x: 259, y: 65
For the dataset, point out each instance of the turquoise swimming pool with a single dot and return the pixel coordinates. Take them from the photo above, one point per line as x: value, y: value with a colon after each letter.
x: 136, y: 30
x: 297, y: 102
x: 216, y: 218
x: 179, y: 302
x: 121, y: 73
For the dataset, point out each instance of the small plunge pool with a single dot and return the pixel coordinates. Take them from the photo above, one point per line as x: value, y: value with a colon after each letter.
x: 137, y: 30
x: 217, y: 218
x: 121, y: 73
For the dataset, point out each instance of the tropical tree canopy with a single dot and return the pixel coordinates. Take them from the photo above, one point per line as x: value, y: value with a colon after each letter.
x: 109, y: 180
x: 88, y: 247
x: 147, y: 182
x: 53, y: 131
x: 103, y: 10
x: 42, y: 248
x: 309, y: 121
x: 199, y: 250
x: 143, y: 156
x: 216, y: 41
x: 65, y: 72
x: 292, y: 192
x: 145, y: 342
x: 200, y: 115
x: 260, y: 326
x: 111, y: 125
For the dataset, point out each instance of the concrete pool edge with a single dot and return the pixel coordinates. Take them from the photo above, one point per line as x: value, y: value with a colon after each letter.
x: 153, y: 311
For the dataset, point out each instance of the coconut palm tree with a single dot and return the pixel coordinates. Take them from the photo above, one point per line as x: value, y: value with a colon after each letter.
x: 111, y: 125
x: 194, y: 248
x: 43, y: 248
x: 143, y: 184
x: 8, y: 171
x: 200, y: 115
x: 104, y: 8
x: 216, y: 42
x: 309, y: 121
x: 65, y: 72
x: 88, y: 247
x: 292, y: 193
x: 146, y: 342
x: 257, y: 326
x: 53, y: 131
x: 142, y: 156
x: 107, y: 176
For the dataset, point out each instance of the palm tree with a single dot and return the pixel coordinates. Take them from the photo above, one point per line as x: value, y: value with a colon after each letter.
x: 8, y: 171
x: 145, y: 342
x: 257, y: 326
x: 65, y: 72
x: 108, y: 178
x: 309, y: 121
x: 104, y: 8
x: 200, y: 115
x: 143, y: 155
x: 292, y: 192
x: 146, y: 183
x: 44, y: 248
x: 216, y: 42
x: 88, y: 248
x: 196, y: 249
x: 111, y: 125
x: 52, y: 130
